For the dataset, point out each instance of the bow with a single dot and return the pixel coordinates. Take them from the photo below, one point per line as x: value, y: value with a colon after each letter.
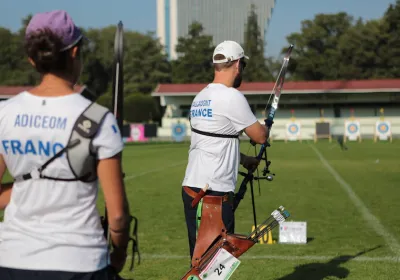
x: 262, y: 154
x: 117, y: 93
x: 117, y: 106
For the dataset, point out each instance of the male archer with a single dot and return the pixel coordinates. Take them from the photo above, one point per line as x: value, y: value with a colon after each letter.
x: 219, y: 113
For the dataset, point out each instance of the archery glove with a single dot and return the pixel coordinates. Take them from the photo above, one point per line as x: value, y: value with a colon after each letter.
x: 250, y: 163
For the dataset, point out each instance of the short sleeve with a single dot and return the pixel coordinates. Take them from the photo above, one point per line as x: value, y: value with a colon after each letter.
x: 108, y: 141
x: 1, y: 127
x: 239, y: 111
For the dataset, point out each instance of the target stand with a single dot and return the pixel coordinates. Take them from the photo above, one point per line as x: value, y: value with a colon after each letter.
x: 322, y: 130
x: 293, y: 131
x: 352, y: 131
x: 383, y: 131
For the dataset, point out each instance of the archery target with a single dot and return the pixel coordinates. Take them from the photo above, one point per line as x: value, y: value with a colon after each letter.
x: 383, y: 129
x: 293, y: 130
x: 352, y: 130
x: 178, y: 132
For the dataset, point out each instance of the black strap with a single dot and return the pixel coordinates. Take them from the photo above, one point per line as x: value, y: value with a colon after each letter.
x: 212, y: 134
x: 28, y: 176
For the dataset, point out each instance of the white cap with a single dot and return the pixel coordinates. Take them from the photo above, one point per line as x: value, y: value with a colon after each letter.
x: 231, y: 50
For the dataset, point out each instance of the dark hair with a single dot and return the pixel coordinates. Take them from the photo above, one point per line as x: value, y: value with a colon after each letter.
x: 44, y: 48
x: 224, y: 65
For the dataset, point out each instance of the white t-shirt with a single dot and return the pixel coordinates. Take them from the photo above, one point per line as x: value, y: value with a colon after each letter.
x: 214, y: 160
x: 51, y: 225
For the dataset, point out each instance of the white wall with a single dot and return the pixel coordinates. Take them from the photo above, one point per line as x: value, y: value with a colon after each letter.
x: 367, y: 126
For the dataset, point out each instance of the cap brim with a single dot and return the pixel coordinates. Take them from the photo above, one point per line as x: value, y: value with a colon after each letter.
x: 81, y: 37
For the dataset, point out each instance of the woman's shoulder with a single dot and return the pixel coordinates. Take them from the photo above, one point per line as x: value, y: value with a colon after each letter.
x: 11, y: 100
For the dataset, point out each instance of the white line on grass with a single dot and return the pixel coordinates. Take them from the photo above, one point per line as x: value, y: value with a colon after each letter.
x: 272, y: 257
x: 372, y: 221
x: 127, y: 178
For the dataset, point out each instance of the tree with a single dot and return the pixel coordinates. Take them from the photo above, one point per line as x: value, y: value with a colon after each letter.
x: 8, y: 56
x: 194, y: 63
x: 98, y: 55
x: 140, y: 108
x: 390, y: 50
x: 256, y: 69
x: 359, y: 50
x: 146, y: 64
x: 316, y: 55
x: 14, y: 66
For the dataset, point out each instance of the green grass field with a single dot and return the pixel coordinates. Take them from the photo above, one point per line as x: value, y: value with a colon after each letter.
x: 349, y: 199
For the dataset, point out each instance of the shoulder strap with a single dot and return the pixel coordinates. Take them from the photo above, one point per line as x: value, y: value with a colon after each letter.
x: 81, y: 158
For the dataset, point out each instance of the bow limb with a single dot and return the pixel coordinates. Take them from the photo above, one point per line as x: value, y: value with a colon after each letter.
x: 118, y: 109
x: 118, y: 76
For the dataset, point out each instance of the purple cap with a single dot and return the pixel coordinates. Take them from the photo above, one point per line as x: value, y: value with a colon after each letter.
x: 60, y: 23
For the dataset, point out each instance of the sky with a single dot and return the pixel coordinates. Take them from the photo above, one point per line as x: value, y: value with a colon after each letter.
x: 140, y: 15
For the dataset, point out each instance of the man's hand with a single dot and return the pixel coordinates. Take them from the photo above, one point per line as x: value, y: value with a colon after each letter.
x: 250, y: 163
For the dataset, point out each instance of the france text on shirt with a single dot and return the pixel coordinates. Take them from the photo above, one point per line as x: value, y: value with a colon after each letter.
x: 35, y: 147
x: 201, y: 109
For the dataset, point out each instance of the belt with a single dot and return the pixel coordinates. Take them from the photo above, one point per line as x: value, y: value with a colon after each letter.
x: 193, y: 194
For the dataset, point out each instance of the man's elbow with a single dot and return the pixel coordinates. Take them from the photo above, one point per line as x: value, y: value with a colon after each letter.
x: 261, y: 137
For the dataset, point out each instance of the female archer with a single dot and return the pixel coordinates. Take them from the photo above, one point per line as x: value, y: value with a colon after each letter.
x: 57, y: 145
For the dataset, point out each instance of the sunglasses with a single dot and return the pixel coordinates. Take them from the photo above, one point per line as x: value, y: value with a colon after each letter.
x: 242, y: 64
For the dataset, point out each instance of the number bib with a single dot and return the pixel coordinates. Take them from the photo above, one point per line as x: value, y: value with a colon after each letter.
x: 221, y: 266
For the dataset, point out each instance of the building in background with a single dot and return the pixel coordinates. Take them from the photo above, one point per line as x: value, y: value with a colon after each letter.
x: 223, y: 19
x: 311, y: 101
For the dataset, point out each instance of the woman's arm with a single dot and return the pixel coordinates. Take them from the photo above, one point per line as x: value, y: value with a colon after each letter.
x: 5, y: 189
x: 109, y: 147
x: 111, y: 181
